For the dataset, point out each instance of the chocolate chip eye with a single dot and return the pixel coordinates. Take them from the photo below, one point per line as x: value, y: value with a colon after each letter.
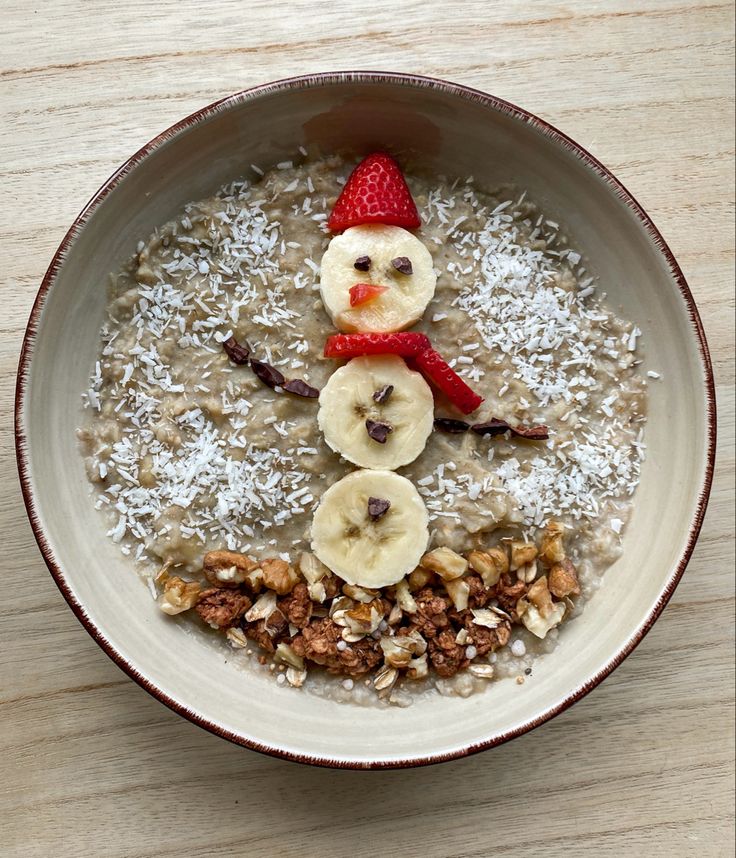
x: 402, y: 264
x: 362, y: 263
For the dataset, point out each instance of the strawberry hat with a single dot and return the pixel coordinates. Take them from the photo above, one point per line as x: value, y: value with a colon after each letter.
x: 376, y: 192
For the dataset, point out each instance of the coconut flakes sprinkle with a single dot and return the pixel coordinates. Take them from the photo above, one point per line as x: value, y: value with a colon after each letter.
x: 221, y: 261
x: 592, y: 471
x: 520, y: 309
x: 527, y: 297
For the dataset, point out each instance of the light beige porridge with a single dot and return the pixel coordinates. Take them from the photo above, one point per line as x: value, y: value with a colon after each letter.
x: 191, y: 453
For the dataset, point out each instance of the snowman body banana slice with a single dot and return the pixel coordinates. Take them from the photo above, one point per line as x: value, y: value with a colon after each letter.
x: 371, y: 528
x: 383, y: 256
x: 376, y: 412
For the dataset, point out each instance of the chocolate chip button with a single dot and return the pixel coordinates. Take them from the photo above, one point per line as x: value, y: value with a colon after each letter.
x: 377, y: 508
x: 378, y: 431
x: 383, y: 395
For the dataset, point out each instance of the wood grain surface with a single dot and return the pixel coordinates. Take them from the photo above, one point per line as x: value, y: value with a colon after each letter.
x: 91, y: 765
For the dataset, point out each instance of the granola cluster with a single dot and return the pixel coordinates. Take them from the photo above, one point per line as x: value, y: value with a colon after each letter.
x: 447, y: 616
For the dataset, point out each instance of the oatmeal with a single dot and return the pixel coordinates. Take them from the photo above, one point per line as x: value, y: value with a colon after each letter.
x: 217, y: 427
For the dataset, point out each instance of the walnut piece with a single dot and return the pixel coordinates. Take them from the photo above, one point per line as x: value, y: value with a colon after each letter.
x: 539, y: 596
x: 296, y: 677
x: 448, y: 564
x: 418, y: 668
x: 396, y: 614
x: 317, y: 592
x: 419, y: 578
x: 278, y: 575
x: 312, y: 569
x: 227, y: 568
x: 551, y: 550
x: 528, y: 572
x: 563, y: 580
x: 500, y: 558
x: 521, y: 554
x: 404, y: 598
x: 360, y: 594
x: 254, y: 579
x: 490, y: 565
x: 360, y: 620
x: 331, y: 584
x: 398, y: 650
x: 178, y: 596
x: 539, y: 625
x: 459, y: 591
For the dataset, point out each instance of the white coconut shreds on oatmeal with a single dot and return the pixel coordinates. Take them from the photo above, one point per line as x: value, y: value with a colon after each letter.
x: 192, y: 453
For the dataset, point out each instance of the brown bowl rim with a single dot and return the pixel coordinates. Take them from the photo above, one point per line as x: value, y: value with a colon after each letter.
x: 328, y: 79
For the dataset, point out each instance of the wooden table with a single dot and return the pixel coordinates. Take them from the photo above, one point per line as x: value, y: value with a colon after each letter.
x: 91, y: 764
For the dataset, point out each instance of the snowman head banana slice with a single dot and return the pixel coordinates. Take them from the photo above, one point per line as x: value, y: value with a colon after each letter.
x: 376, y: 412
x: 378, y: 255
x: 371, y: 528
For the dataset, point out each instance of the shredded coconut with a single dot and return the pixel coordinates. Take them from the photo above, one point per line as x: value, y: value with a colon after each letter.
x: 221, y: 483
x: 527, y: 302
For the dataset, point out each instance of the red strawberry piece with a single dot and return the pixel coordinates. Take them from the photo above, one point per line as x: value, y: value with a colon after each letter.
x: 361, y: 293
x: 446, y: 380
x: 376, y: 192
x: 404, y: 344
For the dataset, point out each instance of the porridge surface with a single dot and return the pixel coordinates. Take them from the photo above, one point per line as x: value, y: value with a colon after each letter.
x: 190, y: 452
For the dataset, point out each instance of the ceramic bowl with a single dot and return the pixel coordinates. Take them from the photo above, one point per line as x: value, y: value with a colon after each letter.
x: 447, y: 128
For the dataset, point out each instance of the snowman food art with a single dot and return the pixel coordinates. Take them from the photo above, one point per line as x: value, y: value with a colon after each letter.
x: 382, y: 454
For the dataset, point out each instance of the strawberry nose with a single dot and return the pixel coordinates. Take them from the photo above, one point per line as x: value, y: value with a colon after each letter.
x: 361, y: 293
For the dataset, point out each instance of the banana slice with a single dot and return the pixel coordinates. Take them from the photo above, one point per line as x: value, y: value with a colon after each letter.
x: 376, y: 412
x: 384, y: 256
x: 371, y: 528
